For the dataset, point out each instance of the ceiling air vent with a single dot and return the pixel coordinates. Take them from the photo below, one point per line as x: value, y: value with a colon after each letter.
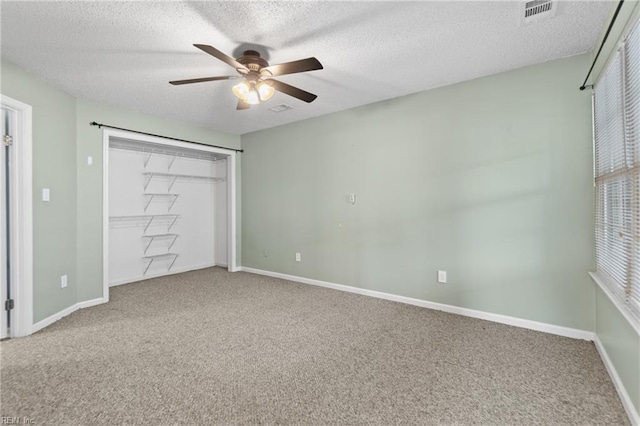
x: 281, y: 108
x: 538, y: 10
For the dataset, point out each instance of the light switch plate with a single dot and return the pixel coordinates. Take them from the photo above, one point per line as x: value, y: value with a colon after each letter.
x: 89, y: 160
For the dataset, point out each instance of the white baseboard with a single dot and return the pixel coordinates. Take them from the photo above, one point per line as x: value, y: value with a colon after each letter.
x: 503, y: 319
x: 63, y: 313
x: 634, y: 417
x: 90, y: 303
x: 161, y: 274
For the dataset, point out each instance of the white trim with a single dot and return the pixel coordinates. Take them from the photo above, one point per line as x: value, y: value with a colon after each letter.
x: 91, y: 302
x: 616, y: 302
x: 503, y: 319
x: 231, y: 213
x: 105, y: 215
x: 634, y: 417
x: 67, y: 311
x: 231, y: 179
x: 22, y: 215
x: 161, y: 274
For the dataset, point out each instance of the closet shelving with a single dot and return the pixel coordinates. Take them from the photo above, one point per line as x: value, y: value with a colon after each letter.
x: 155, y: 257
x: 147, y: 219
x: 153, y: 237
x: 171, y: 198
x: 172, y: 177
x: 172, y: 155
x: 168, y: 175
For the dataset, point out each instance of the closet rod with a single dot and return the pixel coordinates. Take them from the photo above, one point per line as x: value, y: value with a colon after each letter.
x: 604, y: 40
x: 100, y: 125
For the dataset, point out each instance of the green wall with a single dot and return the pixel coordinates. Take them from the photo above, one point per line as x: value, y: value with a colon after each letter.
x: 621, y: 342
x: 54, y: 167
x: 489, y: 179
x: 68, y: 229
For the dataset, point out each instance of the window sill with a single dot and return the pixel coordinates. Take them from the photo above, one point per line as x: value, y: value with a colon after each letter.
x: 619, y: 306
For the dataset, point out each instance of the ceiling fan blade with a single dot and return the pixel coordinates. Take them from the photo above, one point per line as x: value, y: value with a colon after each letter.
x: 242, y: 105
x: 303, y: 65
x: 200, y: 80
x: 224, y: 58
x: 292, y: 91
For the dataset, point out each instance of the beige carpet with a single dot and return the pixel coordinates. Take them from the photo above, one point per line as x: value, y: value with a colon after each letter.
x: 210, y: 347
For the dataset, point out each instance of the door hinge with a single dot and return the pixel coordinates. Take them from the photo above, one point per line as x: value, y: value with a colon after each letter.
x: 8, y: 140
x: 8, y: 305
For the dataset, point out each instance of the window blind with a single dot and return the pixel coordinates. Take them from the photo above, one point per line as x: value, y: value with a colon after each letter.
x: 617, y: 175
x: 632, y: 136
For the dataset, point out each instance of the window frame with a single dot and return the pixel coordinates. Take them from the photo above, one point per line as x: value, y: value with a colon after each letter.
x: 620, y: 293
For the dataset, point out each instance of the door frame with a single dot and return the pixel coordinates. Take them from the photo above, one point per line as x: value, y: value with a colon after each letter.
x: 231, y: 188
x: 21, y: 226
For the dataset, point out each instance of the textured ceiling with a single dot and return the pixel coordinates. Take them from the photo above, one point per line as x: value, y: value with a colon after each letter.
x: 124, y: 53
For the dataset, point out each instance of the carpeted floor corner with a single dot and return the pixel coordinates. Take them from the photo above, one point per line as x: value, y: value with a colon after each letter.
x: 211, y: 347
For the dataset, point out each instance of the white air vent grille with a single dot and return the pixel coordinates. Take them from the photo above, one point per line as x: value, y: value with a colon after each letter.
x: 281, y: 108
x: 535, y: 7
x: 538, y: 10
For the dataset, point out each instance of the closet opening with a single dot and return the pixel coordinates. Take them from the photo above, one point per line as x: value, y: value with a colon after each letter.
x: 169, y: 207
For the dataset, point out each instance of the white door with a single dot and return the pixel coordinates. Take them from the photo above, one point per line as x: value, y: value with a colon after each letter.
x: 4, y: 222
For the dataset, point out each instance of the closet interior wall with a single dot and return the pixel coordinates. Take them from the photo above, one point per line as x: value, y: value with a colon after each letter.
x: 167, y: 210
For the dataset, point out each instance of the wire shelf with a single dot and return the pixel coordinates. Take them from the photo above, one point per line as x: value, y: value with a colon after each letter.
x: 146, y: 220
x: 154, y: 237
x: 151, y: 149
x: 155, y: 257
x: 172, y: 177
x: 171, y: 197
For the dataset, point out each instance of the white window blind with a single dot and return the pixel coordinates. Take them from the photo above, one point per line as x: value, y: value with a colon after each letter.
x: 617, y: 175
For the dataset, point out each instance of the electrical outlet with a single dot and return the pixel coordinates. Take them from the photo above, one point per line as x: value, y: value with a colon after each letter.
x: 89, y: 160
x: 442, y: 276
x: 298, y: 258
x: 63, y: 281
x: 45, y: 194
x: 265, y: 253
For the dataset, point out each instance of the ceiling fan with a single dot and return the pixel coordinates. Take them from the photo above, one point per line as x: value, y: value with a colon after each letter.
x: 258, y: 85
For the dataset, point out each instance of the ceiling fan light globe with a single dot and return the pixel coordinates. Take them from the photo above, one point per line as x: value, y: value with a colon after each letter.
x: 265, y: 91
x: 241, y: 90
x: 253, y: 98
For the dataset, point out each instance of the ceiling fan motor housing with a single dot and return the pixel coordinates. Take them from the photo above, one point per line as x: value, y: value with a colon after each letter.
x: 253, y: 61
